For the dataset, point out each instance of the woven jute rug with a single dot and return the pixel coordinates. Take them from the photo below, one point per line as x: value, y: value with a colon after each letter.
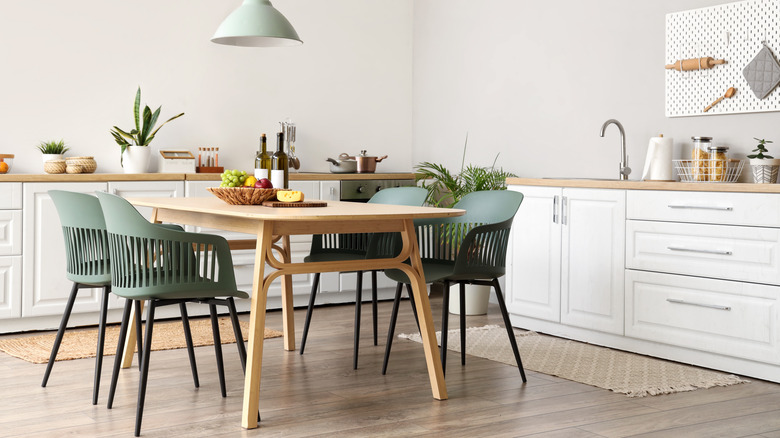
x: 82, y: 343
x: 632, y: 374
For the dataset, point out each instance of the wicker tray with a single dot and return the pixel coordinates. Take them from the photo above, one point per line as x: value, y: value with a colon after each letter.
x: 689, y: 172
x: 243, y: 195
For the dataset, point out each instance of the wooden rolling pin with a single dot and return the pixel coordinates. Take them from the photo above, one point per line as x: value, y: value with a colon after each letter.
x: 695, y: 64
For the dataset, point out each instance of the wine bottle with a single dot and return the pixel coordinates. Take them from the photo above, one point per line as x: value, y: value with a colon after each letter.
x: 263, y: 160
x: 279, y: 169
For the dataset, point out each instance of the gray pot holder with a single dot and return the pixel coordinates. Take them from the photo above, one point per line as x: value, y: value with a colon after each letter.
x: 762, y: 73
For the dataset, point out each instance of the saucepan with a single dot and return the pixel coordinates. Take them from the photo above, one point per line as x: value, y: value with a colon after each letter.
x: 344, y: 164
x: 365, y: 163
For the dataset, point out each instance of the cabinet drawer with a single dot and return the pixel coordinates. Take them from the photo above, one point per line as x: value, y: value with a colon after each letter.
x: 10, y: 232
x: 716, y: 251
x: 718, y: 316
x: 12, y: 195
x: 756, y: 209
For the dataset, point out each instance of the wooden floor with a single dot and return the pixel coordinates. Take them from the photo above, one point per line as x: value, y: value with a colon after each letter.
x: 319, y: 394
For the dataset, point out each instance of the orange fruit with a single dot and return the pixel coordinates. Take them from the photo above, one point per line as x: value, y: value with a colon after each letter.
x: 3, y: 167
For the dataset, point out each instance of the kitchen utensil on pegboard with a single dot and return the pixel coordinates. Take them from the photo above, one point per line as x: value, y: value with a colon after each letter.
x: 704, y: 63
x: 763, y: 72
x: 729, y: 93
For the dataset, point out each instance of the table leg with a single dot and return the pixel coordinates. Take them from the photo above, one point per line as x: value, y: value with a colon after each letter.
x: 127, y: 355
x: 256, y: 329
x: 287, y: 300
x: 427, y: 330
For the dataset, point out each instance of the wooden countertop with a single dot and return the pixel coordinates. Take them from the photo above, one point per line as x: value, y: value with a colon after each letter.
x: 101, y: 177
x: 645, y: 185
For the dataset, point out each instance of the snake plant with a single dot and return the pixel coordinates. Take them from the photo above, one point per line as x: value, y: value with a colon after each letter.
x: 52, y: 147
x: 142, y: 135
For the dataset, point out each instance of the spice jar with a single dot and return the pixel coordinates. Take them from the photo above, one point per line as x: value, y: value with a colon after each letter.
x: 719, y: 159
x: 700, y: 165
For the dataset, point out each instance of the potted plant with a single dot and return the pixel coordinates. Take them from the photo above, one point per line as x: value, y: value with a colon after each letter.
x: 52, y: 150
x: 134, y: 144
x: 764, y: 166
x: 445, y: 189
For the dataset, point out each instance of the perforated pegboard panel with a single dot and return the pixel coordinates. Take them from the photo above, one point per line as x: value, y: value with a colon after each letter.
x: 732, y: 31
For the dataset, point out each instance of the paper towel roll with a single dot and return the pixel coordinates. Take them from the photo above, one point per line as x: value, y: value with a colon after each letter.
x: 658, y: 163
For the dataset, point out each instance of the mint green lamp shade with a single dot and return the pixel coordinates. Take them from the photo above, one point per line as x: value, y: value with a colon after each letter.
x: 256, y: 23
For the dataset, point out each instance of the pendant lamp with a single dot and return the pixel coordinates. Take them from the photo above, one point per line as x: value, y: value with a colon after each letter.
x: 256, y: 23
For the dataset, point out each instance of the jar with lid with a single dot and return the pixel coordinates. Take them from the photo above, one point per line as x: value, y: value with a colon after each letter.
x: 700, y: 165
x: 718, y: 165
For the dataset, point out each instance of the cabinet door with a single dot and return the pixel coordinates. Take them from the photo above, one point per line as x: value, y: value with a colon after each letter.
x: 593, y: 259
x: 10, y: 232
x: 147, y: 189
x: 10, y: 287
x: 45, y: 287
x: 534, y: 264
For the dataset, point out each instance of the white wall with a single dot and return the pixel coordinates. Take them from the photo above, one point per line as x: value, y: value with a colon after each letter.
x: 535, y: 80
x: 70, y: 70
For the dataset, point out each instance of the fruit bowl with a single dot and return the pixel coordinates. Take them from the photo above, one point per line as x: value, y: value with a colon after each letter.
x: 243, y: 195
x: 6, y: 160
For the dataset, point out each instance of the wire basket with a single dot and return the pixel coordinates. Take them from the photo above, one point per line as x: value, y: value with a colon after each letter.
x: 243, y: 195
x: 700, y: 171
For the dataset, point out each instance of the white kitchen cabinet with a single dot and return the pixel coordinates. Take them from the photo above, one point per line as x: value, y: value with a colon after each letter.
x: 567, y: 257
x: 10, y: 287
x: 146, y: 189
x: 10, y: 250
x: 45, y: 287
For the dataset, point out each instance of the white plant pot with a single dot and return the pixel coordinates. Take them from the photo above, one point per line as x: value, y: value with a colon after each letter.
x: 47, y: 157
x: 135, y: 159
x: 765, y: 171
x: 477, y: 297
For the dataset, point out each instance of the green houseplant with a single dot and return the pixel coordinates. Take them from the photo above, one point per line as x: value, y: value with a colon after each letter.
x: 142, y: 135
x: 52, y: 150
x: 764, y: 166
x: 446, y: 188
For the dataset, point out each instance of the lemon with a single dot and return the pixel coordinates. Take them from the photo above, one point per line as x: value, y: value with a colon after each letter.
x: 250, y: 181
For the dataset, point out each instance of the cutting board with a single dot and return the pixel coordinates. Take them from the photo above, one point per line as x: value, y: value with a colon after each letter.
x: 295, y: 204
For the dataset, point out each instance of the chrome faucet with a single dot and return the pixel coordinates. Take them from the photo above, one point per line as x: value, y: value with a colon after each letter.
x: 624, y: 169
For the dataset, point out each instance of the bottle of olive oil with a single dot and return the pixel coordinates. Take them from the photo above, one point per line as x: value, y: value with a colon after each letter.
x: 279, y: 165
x: 263, y: 160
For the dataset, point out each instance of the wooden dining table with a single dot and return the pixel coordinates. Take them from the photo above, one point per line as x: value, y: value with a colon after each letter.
x: 273, y: 228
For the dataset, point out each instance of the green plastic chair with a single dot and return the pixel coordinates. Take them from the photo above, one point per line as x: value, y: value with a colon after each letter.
x: 87, y: 265
x: 342, y: 247
x: 466, y: 249
x: 165, y: 266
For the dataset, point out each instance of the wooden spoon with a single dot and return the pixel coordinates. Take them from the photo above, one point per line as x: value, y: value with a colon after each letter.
x: 730, y: 92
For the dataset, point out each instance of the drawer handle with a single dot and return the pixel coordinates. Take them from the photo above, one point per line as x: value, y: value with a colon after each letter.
x: 705, y: 251
x: 701, y: 207
x: 709, y: 306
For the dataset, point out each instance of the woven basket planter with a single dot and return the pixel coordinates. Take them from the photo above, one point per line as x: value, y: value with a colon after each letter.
x: 243, y: 195
x: 54, y: 166
x: 87, y: 164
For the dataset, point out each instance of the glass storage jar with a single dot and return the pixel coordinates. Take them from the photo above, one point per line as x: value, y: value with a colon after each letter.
x: 700, y: 165
x: 718, y: 163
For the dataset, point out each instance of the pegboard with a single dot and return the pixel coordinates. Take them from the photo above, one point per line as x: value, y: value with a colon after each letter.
x: 732, y: 31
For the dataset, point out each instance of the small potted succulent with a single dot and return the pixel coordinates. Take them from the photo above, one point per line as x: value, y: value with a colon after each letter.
x: 52, y: 150
x: 134, y: 144
x: 765, y: 167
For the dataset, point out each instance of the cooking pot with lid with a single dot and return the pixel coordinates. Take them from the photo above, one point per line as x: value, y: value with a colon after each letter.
x: 365, y: 163
x: 345, y: 164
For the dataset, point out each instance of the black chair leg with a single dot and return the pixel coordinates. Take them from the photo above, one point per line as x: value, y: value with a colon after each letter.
x: 445, y: 319
x: 185, y: 322
x: 218, y: 348
x: 120, y: 346
x: 508, y: 325
x: 358, y: 306
x: 463, y: 323
x: 139, y: 333
x: 139, y: 413
x: 414, y: 306
x: 231, y: 304
x: 60, y: 332
x: 391, y: 329
x: 315, y: 282
x: 100, y: 342
x: 374, y: 303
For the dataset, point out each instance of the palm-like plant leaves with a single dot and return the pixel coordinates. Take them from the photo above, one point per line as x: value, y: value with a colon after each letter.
x: 144, y: 131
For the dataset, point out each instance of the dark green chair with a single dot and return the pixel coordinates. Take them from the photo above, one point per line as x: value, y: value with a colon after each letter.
x: 342, y: 247
x: 466, y: 249
x: 164, y: 266
x: 87, y: 265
